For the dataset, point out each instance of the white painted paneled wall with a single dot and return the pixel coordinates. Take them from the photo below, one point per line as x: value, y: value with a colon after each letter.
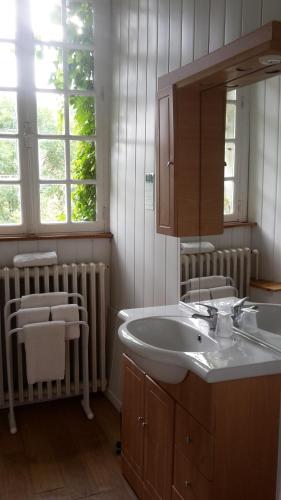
x: 265, y: 169
x: 151, y: 37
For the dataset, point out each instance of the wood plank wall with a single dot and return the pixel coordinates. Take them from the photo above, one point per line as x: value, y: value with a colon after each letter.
x: 151, y: 37
x: 265, y: 170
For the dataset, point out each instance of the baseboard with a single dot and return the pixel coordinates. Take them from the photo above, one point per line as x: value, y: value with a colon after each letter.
x: 114, y: 400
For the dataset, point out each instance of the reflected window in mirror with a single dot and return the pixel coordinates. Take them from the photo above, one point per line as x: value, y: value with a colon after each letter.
x: 236, y: 155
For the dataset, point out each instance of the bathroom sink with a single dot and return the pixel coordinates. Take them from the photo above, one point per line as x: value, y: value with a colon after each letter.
x: 167, y: 333
x: 159, y: 345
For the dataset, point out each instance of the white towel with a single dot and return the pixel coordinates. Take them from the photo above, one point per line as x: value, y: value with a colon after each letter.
x: 197, y: 247
x: 44, y: 299
x: 45, y: 351
x: 35, y: 259
x: 206, y: 282
x: 67, y: 313
x: 198, y: 295
x: 32, y: 315
x: 223, y: 291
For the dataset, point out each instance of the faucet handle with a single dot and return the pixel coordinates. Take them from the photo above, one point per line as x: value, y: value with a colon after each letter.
x: 212, y: 310
x: 239, y: 303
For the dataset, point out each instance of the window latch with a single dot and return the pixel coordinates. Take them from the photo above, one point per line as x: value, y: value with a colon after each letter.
x: 27, y: 135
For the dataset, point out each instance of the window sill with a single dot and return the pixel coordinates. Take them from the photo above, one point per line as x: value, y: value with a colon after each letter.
x: 229, y: 224
x: 54, y: 236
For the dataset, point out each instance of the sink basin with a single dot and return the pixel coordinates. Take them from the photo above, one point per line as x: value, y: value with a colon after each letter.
x: 160, y: 345
x: 166, y: 333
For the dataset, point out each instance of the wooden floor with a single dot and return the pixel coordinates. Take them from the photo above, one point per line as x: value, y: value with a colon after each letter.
x: 57, y: 454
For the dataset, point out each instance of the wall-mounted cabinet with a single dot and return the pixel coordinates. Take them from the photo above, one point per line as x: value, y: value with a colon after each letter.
x: 190, y: 133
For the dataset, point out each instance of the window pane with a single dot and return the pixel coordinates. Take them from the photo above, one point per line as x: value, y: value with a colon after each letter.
x: 46, y: 20
x: 79, y: 22
x: 8, y: 112
x: 80, y: 69
x: 50, y: 113
x: 82, y: 160
x: 10, y: 204
x: 82, y: 115
x: 230, y: 120
x: 52, y: 203
x: 8, y: 73
x: 83, y: 203
x: 229, y: 159
x: 48, y: 68
x: 8, y: 20
x: 228, y: 197
x: 9, y: 161
x: 51, y: 159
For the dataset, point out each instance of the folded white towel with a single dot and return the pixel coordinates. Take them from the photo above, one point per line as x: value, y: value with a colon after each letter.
x: 45, y: 351
x: 32, y: 315
x: 207, y: 282
x: 223, y: 291
x: 44, y: 299
x: 198, y: 295
x: 67, y: 313
x: 197, y: 247
x: 35, y: 259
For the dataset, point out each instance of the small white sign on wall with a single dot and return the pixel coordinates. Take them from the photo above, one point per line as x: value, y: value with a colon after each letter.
x: 149, y: 191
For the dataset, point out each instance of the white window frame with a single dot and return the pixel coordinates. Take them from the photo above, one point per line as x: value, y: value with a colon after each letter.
x: 27, y: 127
x: 241, y: 168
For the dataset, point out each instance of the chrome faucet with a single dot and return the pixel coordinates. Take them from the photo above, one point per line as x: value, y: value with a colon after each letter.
x: 211, y: 318
x: 237, y: 310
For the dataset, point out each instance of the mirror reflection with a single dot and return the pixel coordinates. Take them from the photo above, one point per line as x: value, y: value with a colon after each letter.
x: 235, y: 278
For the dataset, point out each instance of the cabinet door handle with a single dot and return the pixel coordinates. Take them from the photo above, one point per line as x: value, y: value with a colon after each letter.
x: 188, y: 439
x: 170, y: 164
x: 140, y: 419
x: 144, y: 424
x: 187, y: 484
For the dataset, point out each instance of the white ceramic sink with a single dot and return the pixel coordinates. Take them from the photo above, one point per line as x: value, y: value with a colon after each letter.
x: 166, y: 342
x: 159, y: 345
x: 167, y: 333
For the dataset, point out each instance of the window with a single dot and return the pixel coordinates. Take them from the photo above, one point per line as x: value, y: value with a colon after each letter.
x: 236, y: 156
x: 52, y: 116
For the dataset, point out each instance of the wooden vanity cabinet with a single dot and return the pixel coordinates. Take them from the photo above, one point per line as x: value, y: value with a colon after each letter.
x: 200, y: 441
x: 147, y: 434
x: 190, y: 161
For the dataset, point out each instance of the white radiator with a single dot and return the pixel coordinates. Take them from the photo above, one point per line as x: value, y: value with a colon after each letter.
x: 87, y: 279
x: 239, y: 263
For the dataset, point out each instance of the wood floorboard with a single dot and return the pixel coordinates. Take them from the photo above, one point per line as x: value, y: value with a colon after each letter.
x: 57, y: 454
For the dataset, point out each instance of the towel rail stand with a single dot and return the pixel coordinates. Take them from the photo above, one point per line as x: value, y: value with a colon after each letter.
x: 8, y: 316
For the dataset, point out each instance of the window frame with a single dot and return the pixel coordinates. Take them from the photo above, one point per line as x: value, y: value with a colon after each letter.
x: 241, y: 166
x: 27, y: 125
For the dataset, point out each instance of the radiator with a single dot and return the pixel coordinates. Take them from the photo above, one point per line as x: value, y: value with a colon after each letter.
x: 239, y: 263
x: 87, y: 279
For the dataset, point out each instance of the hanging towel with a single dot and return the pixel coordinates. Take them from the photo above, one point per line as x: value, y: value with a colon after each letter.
x: 67, y: 313
x: 197, y: 247
x: 45, y: 351
x: 35, y: 259
x: 223, y: 291
x: 207, y: 282
x: 44, y: 299
x: 32, y: 315
x: 198, y: 295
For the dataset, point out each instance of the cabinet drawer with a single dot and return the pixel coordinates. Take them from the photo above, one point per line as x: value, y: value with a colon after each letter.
x: 188, y: 481
x: 194, y: 442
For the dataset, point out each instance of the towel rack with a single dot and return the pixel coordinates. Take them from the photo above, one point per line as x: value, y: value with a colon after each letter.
x: 8, y: 316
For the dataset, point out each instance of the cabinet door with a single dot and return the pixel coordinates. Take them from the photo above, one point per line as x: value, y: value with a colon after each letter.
x: 158, y: 442
x: 165, y: 162
x: 132, y: 423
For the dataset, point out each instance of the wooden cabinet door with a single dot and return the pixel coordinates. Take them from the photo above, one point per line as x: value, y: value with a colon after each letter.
x: 158, y: 442
x: 132, y: 423
x: 165, y: 162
